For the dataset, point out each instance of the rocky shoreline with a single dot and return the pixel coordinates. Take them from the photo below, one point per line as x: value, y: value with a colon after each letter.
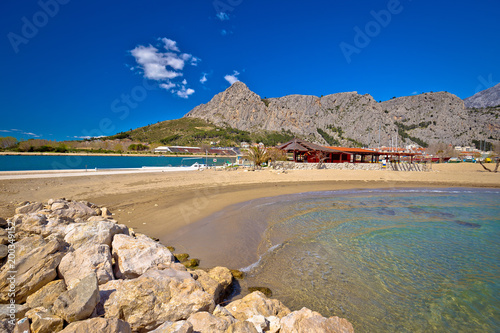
x: 68, y: 266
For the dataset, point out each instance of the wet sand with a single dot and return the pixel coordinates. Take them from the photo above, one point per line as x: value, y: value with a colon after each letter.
x: 161, y: 204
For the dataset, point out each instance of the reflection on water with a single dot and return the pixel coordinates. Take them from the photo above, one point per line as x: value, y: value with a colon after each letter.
x: 389, y: 261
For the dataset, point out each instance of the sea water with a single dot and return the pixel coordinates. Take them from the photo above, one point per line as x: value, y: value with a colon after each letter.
x: 424, y: 260
x: 61, y: 162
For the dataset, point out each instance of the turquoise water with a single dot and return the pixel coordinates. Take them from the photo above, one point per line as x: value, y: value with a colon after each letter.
x: 41, y: 162
x: 387, y: 260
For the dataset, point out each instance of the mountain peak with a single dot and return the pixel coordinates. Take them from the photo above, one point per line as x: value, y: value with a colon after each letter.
x: 238, y: 86
x: 485, y: 98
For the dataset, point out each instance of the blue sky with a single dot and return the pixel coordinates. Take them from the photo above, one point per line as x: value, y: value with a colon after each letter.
x: 73, y: 68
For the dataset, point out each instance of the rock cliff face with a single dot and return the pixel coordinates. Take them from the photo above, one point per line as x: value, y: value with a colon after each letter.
x: 351, y: 119
x: 486, y: 98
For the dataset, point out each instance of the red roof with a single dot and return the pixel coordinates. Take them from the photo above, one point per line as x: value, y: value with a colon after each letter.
x: 354, y: 150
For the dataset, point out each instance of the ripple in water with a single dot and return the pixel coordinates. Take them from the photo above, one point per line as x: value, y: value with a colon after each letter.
x: 389, y: 261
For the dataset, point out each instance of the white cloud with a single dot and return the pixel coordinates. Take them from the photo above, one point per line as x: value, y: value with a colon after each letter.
x: 21, y: 132
x: 415, y: 93
x: 232, y: 78
x: 87, y: 137
x: 167, y: 86
x: 154, y: 63
x: 195, y: 61
x: 164, y: 66
x: 204, y: 78
x: 223, y: 16
x: 184, y: 93
x: 170, y: 45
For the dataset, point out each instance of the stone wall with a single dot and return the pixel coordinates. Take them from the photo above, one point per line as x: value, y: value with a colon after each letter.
x: 333, y: 166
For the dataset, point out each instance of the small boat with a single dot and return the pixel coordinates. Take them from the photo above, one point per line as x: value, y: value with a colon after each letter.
x: 199, y: 165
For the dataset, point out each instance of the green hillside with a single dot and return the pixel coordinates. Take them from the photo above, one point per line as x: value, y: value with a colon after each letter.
x: 194, y: 132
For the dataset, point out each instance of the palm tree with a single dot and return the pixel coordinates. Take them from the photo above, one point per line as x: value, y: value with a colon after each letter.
x: 257, y: 155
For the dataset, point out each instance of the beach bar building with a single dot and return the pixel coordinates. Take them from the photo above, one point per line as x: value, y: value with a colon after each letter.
x: 302, y: 151
x: 357, y: 155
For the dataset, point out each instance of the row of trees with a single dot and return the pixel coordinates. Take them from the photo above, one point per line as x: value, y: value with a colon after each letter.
x: 8, y: 142
x: 443, y: 150
x: 41, y: 145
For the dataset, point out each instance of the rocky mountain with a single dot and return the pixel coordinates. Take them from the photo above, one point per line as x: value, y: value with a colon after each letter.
x: 486, y: 98
x: 352, y: 119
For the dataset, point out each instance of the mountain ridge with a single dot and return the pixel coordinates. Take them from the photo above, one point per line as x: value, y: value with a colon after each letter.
x: 351, y: 119
x: 486, y: 98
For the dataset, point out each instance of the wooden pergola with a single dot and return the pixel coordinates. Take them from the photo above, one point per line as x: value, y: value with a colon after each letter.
x: 303, y: 151
x: 352, y: 154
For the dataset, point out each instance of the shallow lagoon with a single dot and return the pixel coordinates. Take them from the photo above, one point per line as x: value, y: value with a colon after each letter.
x: 405, y: 260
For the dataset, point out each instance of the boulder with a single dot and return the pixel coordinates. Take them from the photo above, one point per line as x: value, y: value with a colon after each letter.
x: 105, y: 212
x: 156, y: 297
x: 306, y: 320
x: 42, y: 321
x: 101, y: 325
x: 204, y: 322
x: 33, y: 271
x: 85, y: 234
x: 254, y: 304
x: 4, y: 237
x: 29, y: 208
x: 4, y: 251
x: 18, y: 310
x: 105, y: 291
x: 39, y: 224
x: 260, y: 323
x: 274, y: 324
x: 22, y: 325
x: 134, y: 256
x: 216, y: 282
x: 76, y: 265
x: 78, y: 303
x: 6, y: 326
x: 73, y: 210
x: 46, y: 296
x: 3, y: 223
x: 222, y: 312
x: 181, y: 326
x: 59, y: 205
x: 28, y: 244
x: 242, y: 327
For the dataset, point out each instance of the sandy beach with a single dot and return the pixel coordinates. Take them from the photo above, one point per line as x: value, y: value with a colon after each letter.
x: 158, y: 203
